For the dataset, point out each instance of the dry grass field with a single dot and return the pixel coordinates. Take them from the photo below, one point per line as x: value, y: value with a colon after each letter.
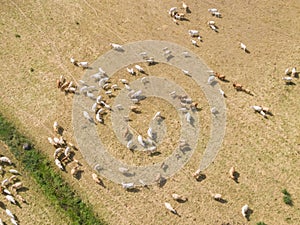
x: 39, y: 37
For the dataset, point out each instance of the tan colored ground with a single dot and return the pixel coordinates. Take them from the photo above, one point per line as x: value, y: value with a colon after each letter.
x: 265, y: 152
x: 140, y: 122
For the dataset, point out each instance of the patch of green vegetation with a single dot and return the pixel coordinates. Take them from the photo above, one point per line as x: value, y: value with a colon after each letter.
x: 287, y: 200
x: 288, y: 219
x: 287, y: 197
x: 261, y: 223
x: 58, y: 192
x: 285, y: 192
x: 17, y: 35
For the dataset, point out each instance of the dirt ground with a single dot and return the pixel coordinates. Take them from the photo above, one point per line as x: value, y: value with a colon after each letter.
x: 139, y: 122
x: 265, y: 152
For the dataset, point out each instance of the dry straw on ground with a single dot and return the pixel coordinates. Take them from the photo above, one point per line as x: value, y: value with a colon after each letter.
x: 264, y: 151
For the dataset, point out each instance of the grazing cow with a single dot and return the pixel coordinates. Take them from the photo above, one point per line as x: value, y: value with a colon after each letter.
x: 185, y: 72
x: 9, y: 213
x: 59, y: 164
x: 5, y: 160
x: 131, y: 71
x: 260, y: 110
x: 220, y: 76
x: 74, y: 62
x: 150, y: 133
x: 240, y: 87
x: 294, y: 72
x: 179, y: 198
x: 124, y: 81
x: 211, y: 79
x: 139, y: 68
x: 6, y: 191
x: 245, y: 209
x: 83, y: 65
x: 12, y: 178
x: 194, y: 106
x: 5, y: 182
x: 231, y: 173
x: 288, y: 80
x: 185, y: 7
x: 116, y: 47
x: 170, y: 208
x: 57, y: 152
x: 129, y: 145
x: 193, y: 33
x: 243, y: 46
x: 13, y: 221
x: 194, y: 43
x: 237, y: 86
x: 172, y: 11
x: 150, y: 61
x: 10, y: 199
x: 17, y: 185
x: 75, y: 170
x: 157, y: 115
x: 97, y: 179
x: 287, y: 71
x: 197, y: 173
x: 141, y: 141
x: 55, y: 127
x: 128, y: 186
x: 212, y: 10
x: 222, y: 93
x: 135, y: 109
x: 13, y: 171
x: 87, y: 116
x: 216, y: 196
x: 21, y: 198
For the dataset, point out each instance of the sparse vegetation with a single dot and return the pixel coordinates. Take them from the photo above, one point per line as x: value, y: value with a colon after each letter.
x: 54, y: 187
x: 287, y: 200
x: 261, y: 223
x: 17, y: 35
x: 287, y: 197
x: 285, y: 192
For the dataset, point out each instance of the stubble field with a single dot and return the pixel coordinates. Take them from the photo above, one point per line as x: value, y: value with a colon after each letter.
x: 265, y: 152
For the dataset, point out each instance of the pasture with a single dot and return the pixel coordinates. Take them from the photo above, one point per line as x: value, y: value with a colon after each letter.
x: 38, y: 38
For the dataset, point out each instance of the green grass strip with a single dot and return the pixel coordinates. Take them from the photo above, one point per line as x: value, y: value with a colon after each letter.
x: 59, y: 193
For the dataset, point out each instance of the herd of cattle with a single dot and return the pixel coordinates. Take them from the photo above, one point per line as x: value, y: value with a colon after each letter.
x: 64, y: 151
